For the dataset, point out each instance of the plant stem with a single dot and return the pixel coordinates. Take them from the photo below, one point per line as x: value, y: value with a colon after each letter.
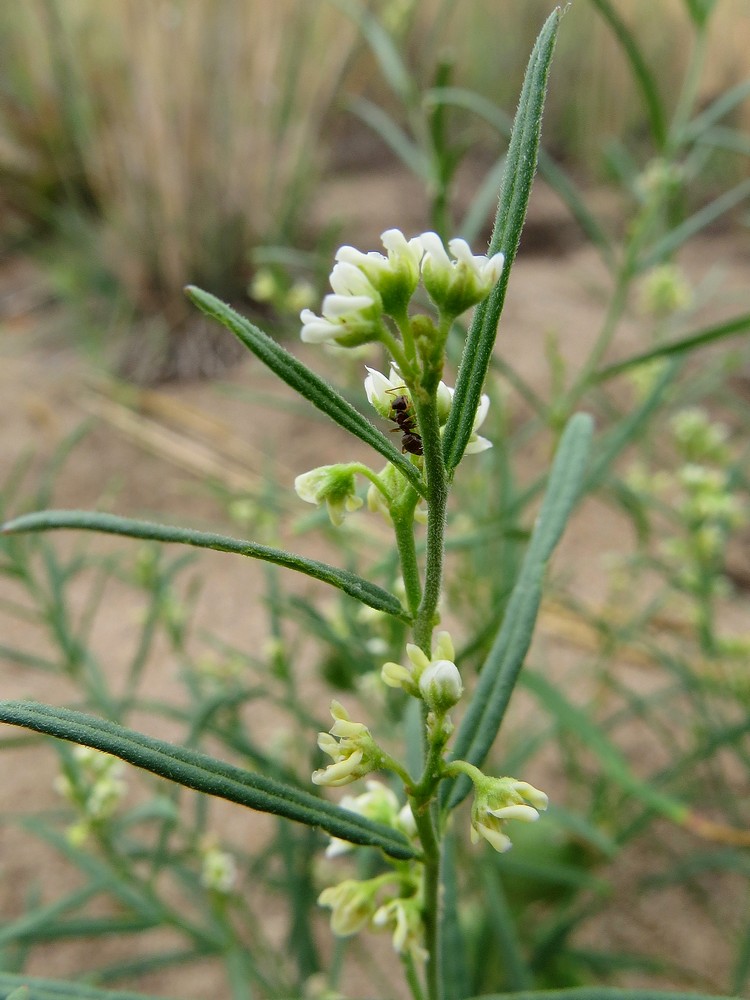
x: 437, y: 500
x: 431, y: 904
x: 402, y: 515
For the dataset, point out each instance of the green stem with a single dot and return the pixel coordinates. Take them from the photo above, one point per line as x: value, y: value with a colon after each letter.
x: 402, y: 514
x: 431, y: 904
x: 437, y: 501
x: 689, y: 92
x: 411, y: 977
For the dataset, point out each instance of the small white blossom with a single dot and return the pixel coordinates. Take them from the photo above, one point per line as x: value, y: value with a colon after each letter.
x: 350, y: 746
x: 351, y: 316
x: 379, y: 803
x: 333, y: 485
x: 353, y: 904
x: 455, y: 285
x: 409, y: 678
x: 404, y: 917
x: 498, y: 800
x: 394, y: 277
x: 218, y: 871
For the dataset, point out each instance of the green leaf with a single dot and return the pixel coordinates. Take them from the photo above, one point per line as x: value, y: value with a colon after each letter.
x: 504, y: 661
x: 694, y: 225
x: 740, y: 324
x: 31, y: 988
x: 205, y: 774
x: 392, y: 135
x: 578, y: 722
x: 520, y: 165
x: 304, y: 381
x: 357, y: 587
x: 555, y: 176
x: 598, y: 993
x: 641, y: 73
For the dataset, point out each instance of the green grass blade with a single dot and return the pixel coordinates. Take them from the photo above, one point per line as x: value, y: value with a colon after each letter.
x: 392, y: 135
x: 643, y: 77
x: 357, y: 587
x: 695, y: 224
x: 204, y: 774
x: 504, y: 661
x: 51, y: 989
x: 598, y: 993
x: 520, y: 166
x: 578, y: 722
x: 740, y: 324
x: 304, y: 381
x: 555, y: 176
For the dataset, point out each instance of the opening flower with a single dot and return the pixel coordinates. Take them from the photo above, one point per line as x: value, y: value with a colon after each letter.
x: 353, y: 904
x: 351, y: 316
x: 409, y: 678
x: 498, y: 800
x: 455, y: 285
x: 404, y: 917
x: 350, y: 746
x: 333, y: 485
x: 394, y: 277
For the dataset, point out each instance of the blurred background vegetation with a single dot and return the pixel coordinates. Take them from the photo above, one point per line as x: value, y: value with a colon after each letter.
x: 147, y: 144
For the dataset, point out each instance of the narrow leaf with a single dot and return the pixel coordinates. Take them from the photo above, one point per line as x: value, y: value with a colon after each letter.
x: 504, y: 661
x: 520, y: 165
x: 205, y: 774
x: 609, y: 758
x: 32, y: 988
x: 392, y: 135
x: 555, y: 176
x: 357, y: 587
x: 599, y: 993
x: 304, y: 381
x: 641, y: 72
x: 695, y: 224
x: 740, y: 324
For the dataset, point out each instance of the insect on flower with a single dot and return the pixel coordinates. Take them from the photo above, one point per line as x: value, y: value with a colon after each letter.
x: 402, y: 413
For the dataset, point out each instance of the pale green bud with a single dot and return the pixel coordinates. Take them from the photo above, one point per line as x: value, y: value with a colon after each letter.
x: 456, y: 285
x: 440, y: 686
x: 394, y: 277
x: 350, y: 746
x: 333, y: 485
x: 353, y: 904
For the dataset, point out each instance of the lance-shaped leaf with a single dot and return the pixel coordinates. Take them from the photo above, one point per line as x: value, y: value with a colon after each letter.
x: 357, y: 587
x: 15, y: 987
x: 598, y: 993
x: 205, y: 774
x: 520, y: 166
x: 504, y: 661
x: 304, y: 381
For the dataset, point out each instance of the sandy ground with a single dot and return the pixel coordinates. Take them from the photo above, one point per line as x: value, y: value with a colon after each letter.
x: 47, y: 390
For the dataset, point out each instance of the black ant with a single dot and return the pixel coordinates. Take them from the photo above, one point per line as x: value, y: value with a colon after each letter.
x: 402, y: 413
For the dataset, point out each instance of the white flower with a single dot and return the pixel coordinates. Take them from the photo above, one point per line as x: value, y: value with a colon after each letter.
x: 382, y: 390
x: 404, y: 916
x: 351, y: 316
x: 378, y: 803
x: 498, y: 800
x: 455, y: 285
x: 218, y: 871
x: 350, y: 746
x: 333, y: 485
x: 353, y: 904
x: 393, y: 277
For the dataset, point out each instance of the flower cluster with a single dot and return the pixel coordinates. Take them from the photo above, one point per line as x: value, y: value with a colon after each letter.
x: 95, y: 788
x: 382, y: 390
x: 368, y: 286
x: 380, y: 804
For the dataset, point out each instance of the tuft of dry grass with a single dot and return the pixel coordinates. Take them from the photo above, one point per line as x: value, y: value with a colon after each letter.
x: 191, y: 128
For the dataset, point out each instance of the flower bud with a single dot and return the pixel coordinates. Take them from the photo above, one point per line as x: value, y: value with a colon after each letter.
x: 440, y: 685
x: 455, y: 285
x: 333, y: 485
